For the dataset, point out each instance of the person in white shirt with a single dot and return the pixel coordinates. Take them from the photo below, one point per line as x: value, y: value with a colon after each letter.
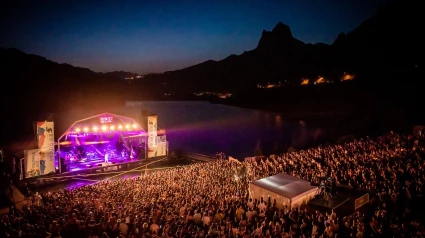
x: 106, y: 158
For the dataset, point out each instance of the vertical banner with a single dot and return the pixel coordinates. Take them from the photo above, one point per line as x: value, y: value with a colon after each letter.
x: 162, y: 145
x: 162, y: 149
x: 152, y: 136
x: 46, y: 145
x: 152, y: 146
x: 152, y: 125
x: 32, y: 163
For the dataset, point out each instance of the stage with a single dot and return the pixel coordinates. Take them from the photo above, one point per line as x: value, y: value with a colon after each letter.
x: 330, y: 203
x: 342, y: 203
x: 94, y: 163
x: 107, y: 139
x: 98, y: 172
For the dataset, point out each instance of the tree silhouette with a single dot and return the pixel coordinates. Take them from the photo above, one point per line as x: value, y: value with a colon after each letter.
x: 258, y: 149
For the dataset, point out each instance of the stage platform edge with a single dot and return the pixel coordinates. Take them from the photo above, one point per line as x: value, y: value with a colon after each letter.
x: 110, y: 168
x: 342, y: 204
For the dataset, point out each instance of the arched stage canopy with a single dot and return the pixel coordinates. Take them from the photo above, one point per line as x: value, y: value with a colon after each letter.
x: 104, y: 123
x: 104, y: 135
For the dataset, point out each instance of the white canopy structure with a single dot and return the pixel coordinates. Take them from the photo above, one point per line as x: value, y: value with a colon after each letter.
x: 287, y: 190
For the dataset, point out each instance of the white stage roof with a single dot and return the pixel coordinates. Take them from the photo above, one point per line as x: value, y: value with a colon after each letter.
x: 285, y: 185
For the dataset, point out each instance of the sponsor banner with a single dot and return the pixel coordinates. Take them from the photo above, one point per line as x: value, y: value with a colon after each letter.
x: 46, y: 146
x: 152, y: 125
x: 152, y: 142
x: 160, y: 150
x: 32, y: 163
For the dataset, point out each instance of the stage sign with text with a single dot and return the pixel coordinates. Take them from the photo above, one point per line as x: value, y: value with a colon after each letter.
x: 104, y: 120
x: 46, y: 146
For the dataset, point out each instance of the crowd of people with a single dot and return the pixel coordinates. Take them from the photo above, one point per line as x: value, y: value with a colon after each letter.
x: 206, y: 199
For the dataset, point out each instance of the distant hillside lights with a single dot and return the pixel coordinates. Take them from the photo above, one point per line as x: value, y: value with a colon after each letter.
x: 219, y: 95
x: 347, y: 77
x: 274, y: 85
x: 305, y: 81
x: 137, y: 77
x: 321, y: 80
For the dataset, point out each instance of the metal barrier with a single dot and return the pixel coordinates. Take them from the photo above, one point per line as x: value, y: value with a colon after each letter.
x: 198, y: 156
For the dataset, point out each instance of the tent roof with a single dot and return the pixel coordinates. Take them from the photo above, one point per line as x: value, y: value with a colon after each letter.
x: 96, y: 120
x: 285, y: 185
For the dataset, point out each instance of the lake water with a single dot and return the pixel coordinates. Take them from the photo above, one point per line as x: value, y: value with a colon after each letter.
x: 210, y: 128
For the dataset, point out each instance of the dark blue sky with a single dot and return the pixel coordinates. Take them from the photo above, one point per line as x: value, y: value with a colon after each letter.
x: 156, y: 36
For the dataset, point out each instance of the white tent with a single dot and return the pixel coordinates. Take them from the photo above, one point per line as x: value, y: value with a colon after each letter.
x: 286, y: 189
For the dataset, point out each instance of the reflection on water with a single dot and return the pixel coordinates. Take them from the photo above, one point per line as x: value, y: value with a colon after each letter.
x: 209, y: 128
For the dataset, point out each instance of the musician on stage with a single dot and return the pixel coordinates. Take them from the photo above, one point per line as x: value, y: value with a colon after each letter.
x: 106, y: 158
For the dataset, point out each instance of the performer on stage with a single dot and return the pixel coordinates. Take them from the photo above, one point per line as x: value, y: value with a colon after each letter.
x: 106, y: 157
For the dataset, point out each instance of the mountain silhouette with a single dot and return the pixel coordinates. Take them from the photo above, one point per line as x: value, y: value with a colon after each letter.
x: 383, y: 46
x: 278, y: 56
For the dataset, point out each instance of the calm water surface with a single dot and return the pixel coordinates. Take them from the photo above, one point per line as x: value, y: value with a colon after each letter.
x: 209, y: 128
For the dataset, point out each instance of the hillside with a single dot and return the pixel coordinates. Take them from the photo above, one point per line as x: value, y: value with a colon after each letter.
x: 34, y: 87
x: 120, y: 74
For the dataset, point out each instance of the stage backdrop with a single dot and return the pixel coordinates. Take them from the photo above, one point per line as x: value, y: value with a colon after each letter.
x: 46, y: 145
x: 32, y: 163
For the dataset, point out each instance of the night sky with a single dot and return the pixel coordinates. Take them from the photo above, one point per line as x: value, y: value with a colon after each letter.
x: 156, y: 36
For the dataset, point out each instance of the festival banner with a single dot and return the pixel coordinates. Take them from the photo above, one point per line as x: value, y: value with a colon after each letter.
x: 32, y: 163
x: 152, y: 152
x: 162, y: 149
x: 152, y: 125
x: 152, y: 141
x: 152, y: 136
x: 46, y: 146
x: 152, y: 146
